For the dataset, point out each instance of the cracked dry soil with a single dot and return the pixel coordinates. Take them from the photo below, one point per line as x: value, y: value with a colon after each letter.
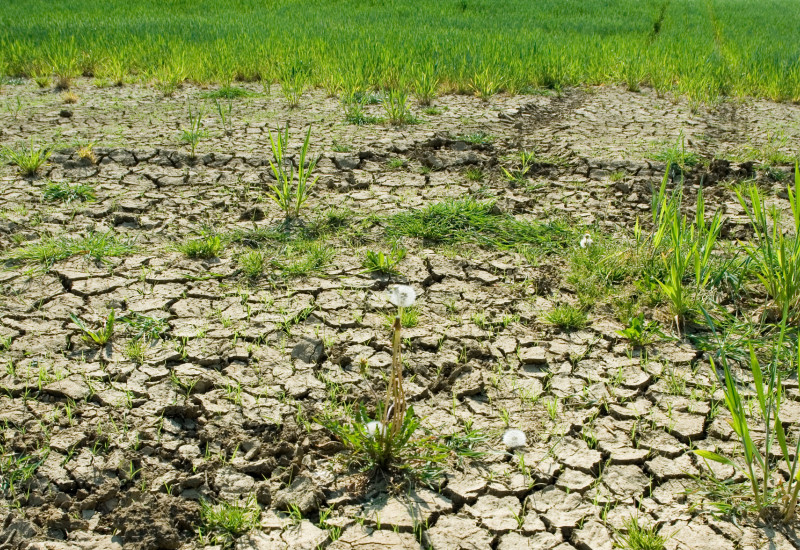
x: 222, y: 406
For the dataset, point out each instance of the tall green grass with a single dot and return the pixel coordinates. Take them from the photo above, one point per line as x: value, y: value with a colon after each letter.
x: 698, y: 48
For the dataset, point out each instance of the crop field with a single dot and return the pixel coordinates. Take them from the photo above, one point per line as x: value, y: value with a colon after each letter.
x: 700, y: 48
x: 519, y: 278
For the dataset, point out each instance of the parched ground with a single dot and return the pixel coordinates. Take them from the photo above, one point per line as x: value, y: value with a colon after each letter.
x: 222, y: 406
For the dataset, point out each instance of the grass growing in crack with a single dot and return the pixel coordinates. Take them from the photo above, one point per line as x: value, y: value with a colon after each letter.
x: 28, y: 158
x: 252, y: 263
x: 409, y: 318
x: 310, y: 258
x: 224, y: 522
x: 776, y: 255
x: 16, y: 469
x: 641, y: 332
x: 66, y: 193
x: 771, y: 497
x: 397, y: 109
x: 386, y: 263
x: 638, y: 537
x: 288, y: 194
x: 145, y: 327
x: 476, y: 138
x: 567, y: 317
x: 675, y: 154
x: 469, y: 220
x: 204, y: 247
x: 195, y: 133
x: 100, y: 336
x: 49, y: 249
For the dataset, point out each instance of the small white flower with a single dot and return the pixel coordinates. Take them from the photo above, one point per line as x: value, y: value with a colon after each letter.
x: 375, y: 427
x: 514, y: 439
x: 586, y: 240
x: 402, y: 295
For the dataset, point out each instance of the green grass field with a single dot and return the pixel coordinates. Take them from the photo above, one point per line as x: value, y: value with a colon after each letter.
x: 698, y: 48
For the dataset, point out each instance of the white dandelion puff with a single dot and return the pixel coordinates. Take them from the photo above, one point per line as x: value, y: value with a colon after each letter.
x: 402, y: 295
x: 586, y: 240
x: 513, y: 439
x: 375, y: 427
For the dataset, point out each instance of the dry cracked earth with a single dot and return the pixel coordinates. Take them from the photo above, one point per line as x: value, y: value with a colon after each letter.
x: 222, y: 404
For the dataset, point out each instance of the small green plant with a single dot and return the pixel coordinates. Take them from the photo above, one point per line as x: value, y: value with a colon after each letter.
x: 101, y: 336
x: 228, y: 92
x: 526, y: 161
x: 144, y: 327
x: 638, y: 537
x: 195, y: 133
x: 770, y: 489
x: 567, y: 317
x: 204, y: 247
x: 476, y: 138
x: 288, y: 194
x: 28, y: 158
x: 397, y: 110
x: 66, y: 193
x: 252, y: 263
x: 380, y: 262
x: 676, y: 155
x: 688, y: 248
x: 775, y: 255
x: 224, y: 522
x: 225, y: 116
x: 474, y: 174
x: 640, y: 332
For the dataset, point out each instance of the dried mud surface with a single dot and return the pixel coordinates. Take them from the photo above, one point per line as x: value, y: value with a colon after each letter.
x: 131, y: 451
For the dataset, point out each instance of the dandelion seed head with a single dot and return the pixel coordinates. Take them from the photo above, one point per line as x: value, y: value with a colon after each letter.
x: 402, y: 295
x: 586, y: 240
x: 514, y: 439
x: 375, y: 427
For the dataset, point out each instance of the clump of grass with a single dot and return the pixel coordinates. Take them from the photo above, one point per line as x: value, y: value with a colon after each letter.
x: 474, y: 174
x: 309, y: 257
x: 567, y: 317
x: 227, y: 92
x: 675, y: 154
x: 380, y: 262
x: 639, y: 537
x: 252, y: 263
x: 397, y: 109
x: 470, y: 220
x: 291, y: 195
x: 66, y: 193
x: 28, y: 158
x: 100, y: 336
x: 294, y: 80
x: 50, y: 249
x: 224, y: 522
x: 195, y: 132
x: 205, y: 247
x: 476, y: 138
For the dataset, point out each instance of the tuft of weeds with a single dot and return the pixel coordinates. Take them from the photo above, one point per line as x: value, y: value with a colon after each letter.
x: 66, y: 193
x: 380, y: 262
x: 205, y: 247
x: 291, y: 195
x: 567, y: 317
x: 145, y: 327
x: 638, y: 537
x: 309, y: 257
x: 252, y: 263
x: 476, y: 138
x: 228, y: 92
x: 100, y: 336
x: 49, y: 249
x: 675, y: 154
x: 224, y: 522
x: 28, y: 158
x: 294, y: 80
x: 469, y: 220
x: 397, y: 109
x: 474, y: 174
x: 195, y: 133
